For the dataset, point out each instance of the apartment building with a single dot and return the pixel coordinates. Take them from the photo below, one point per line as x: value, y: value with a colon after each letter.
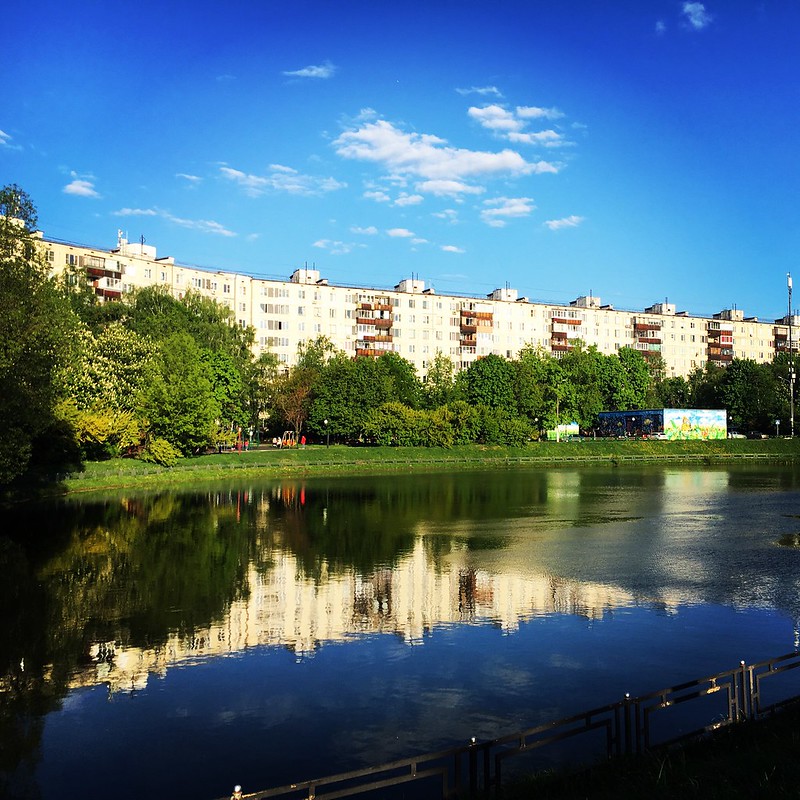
x: 415, y: 322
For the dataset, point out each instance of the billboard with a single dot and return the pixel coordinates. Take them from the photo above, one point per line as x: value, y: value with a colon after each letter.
x: 695, y: 423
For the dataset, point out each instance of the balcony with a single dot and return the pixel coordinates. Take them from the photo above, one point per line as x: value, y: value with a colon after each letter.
x: 648, y: 340
x: 383, y: 322
x: 646, y: 326
x: 565, y: 321
x: 365, y: 321
x: 367, y: 351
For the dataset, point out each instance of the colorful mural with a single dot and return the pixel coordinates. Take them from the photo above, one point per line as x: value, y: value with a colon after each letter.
x: 694, y: 423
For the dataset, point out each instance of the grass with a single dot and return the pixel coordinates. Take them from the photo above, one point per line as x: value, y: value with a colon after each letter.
x: 746, y: 760
x: 316, y: 459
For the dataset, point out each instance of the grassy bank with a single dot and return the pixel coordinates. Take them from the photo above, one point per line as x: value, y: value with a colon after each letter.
x: 741, y: 762
x: 314, y: 460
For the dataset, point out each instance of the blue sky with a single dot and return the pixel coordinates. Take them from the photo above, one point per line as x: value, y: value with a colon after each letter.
x: 639, y: 150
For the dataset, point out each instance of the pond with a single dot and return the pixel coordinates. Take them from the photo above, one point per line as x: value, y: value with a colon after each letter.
x: 176, y: 643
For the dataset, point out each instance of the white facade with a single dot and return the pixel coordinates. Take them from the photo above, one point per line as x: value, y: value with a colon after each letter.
x: 415, y: 322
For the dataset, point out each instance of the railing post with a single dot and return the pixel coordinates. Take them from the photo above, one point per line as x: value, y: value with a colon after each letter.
x: 744, y: 701
x: 473, y: 768
x: 627, y: 724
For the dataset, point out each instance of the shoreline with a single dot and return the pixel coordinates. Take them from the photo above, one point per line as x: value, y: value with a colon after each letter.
x: 338, y: 460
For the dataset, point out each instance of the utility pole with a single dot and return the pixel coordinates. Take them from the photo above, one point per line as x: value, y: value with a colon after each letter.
x: 791, y: 359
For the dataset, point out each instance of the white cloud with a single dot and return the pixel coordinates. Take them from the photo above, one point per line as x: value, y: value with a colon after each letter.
x: 449, y: 214
x: 409, y: 199
x: 81, y: 188
x: 136, y: 212
x: 192, y: 179
x: 335, y: 248
x: 281, y: 179
x: 661, y: 27
x: 5, y: 141
x: 482, y: 90
x: 548, y: 138
x: 696, y: 16
x: 429, y: 157
x: 202, y: 225
x: 371, y: 230
x: 377, y: 196
x: 449, y: 188
x: 400, y: 233
x: 566, y: 222
x: 501, y: 208
x: 326, y: 70
x: 495, y: 118
x: 511, y: 124
x: 451, y: 248
x: 419, y: 241
x: 535, y: 112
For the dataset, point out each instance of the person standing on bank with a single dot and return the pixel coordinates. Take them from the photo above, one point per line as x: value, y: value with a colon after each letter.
x: 237, y: 793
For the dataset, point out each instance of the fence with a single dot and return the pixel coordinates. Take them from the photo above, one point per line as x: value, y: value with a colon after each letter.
x: 626, y: 727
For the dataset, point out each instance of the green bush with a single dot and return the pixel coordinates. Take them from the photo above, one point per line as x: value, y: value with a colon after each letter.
x: 160, y: 451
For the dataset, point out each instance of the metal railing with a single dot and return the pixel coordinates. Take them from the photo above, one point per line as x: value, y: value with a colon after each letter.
x: 627, y: 727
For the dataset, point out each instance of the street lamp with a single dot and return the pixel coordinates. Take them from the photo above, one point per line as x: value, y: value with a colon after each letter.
x: 327, y: 433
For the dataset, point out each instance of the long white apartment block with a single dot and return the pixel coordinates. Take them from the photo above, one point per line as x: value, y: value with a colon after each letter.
x: 415, y: 322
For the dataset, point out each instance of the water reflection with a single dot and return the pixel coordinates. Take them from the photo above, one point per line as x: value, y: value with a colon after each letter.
x: 119, y: 591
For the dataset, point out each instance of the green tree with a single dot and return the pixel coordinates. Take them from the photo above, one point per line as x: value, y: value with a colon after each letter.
x: 406, y: 386
x: 108, y: 368
x: 293, y: 393
x: 489, y: 381
x: 704, y: 386
x: 530, y: 384
x: 582, y: 389
x: 674, y: 392
x: 261, y: 377
x: 35, y: 327
x: 626, y: 380
x: 439, y: 387
x: 179, y: 401
x: 749, y: 392
x: 347, y: 390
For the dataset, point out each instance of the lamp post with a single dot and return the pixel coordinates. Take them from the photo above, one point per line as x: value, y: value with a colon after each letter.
x: 327, y: 433
x: 791, y: 358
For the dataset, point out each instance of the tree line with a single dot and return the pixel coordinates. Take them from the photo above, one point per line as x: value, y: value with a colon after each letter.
x: 157, y: 377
